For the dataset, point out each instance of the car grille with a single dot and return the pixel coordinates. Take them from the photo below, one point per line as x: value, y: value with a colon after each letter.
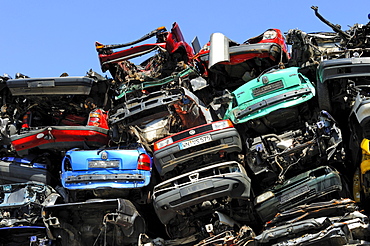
x: 303, y: 197
x: 197, y: 130
x: 198, y: 194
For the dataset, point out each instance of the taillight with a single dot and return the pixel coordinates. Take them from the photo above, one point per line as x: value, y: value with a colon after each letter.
x: 98, y: 118
x: 94, y: 119
x: 144, y: 162
x: 26, y: 121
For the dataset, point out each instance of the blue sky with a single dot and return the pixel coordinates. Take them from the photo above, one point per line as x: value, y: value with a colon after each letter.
x: 44, y: 38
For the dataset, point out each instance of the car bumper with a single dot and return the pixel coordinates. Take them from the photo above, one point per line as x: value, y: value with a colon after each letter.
x: 78, y: 180
x: 167, y: 203
x: 343, y: 68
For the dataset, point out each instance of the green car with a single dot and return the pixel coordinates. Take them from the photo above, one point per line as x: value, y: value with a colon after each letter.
x: 277, y: 89
x: 322, y: 182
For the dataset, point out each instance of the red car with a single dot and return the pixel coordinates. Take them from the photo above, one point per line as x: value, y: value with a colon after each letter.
x: 232, y: 64
x: 51, y: 115
x: 63, y: 137
x: 171, y: 49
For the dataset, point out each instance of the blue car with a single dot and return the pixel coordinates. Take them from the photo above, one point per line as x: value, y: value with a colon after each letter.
x: 106, y: 173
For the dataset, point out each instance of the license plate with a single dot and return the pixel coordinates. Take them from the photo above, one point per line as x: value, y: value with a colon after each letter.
x: 103, y: 164
x: 195, y: 142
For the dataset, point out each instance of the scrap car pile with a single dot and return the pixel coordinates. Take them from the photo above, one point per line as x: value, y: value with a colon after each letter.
x: 229, y: 144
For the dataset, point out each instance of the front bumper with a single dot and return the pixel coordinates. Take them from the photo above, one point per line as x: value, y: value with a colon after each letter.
x: 168, y: 201
x: 343, y: 68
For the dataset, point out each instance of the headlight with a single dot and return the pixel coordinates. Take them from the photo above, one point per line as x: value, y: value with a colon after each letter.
x: 162, y: 143
x: 264, y: 197
x: 221, y: 124
x: 270, y: 34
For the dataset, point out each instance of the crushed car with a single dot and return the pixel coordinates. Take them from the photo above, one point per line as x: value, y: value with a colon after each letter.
x: 21, y: 206
x: 275, y: 157
x: 343, y: 87
x: 306, y: 187
x: 172, y: 63
x: 50, y: 113
x: 94, y: 222
x: 334, y: 222
x: 309, y: 49
x: 123, y: 171
x: 231, y: 64
x: 283, y: 130
x: 361, y: 177
x: 149, y: 118
x: 359, y: 141
x: 336, y: 77
x: 330, y: 208
x: 184, y: 203
x: 274, y: 100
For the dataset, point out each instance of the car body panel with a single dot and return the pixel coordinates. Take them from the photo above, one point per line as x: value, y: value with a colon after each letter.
x: 18, y: 170
x: 59, y: 137
x: 50, y: 86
